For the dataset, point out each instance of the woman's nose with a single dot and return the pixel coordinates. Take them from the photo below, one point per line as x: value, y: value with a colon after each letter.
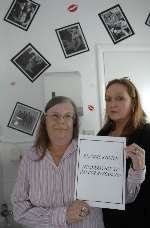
x: 61, y: 119
x: 112, y: 103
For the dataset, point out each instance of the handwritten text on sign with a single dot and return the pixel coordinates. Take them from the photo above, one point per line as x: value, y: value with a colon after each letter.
x: 100, y: 172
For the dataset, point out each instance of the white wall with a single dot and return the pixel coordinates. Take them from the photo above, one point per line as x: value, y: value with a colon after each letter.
x: 1, y: 181
x: 53, y: 14
x: 10, y: 155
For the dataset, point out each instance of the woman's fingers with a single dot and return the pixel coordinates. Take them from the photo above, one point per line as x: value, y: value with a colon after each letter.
x: 137, y: 155
x: 77, y: 211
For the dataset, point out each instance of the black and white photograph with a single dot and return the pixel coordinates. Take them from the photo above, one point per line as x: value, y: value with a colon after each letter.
x: 116, y: 23
x: 24, y: 118
x: 21, y: 13
x: 30, y: 62
x: 72, y: 40
x: 147, y: 22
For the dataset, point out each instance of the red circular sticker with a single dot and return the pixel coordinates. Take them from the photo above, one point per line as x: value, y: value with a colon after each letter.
x: 73, y: 7
x: 91, y: 107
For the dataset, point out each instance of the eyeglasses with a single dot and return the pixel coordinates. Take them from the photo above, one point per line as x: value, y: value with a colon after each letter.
x: 57, y: 117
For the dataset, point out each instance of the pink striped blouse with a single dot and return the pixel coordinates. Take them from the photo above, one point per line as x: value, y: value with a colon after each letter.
x: 43, y: 191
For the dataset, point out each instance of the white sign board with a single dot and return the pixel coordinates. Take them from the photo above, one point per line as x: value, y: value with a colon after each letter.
x: 100, y: 171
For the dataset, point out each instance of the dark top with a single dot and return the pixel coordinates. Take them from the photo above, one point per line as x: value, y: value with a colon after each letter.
x: 136, y: 213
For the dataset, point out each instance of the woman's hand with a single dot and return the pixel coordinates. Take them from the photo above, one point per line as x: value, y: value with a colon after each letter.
x: 77, y: 211
x: 137, y: 155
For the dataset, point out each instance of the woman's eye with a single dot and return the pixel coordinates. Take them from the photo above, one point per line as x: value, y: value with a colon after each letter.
x: 119, y: 98
x: 107, y: 99
x: 54, y: 116
x: 67, y: 116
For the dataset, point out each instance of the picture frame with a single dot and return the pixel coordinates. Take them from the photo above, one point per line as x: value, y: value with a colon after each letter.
x: 72, y: 40
x: 24, y: 118
x: 116, y: 23
x: 147, y: 22
x: 30, y: 62
x: 21, y: 13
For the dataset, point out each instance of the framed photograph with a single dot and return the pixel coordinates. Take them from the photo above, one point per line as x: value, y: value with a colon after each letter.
x: 30, y: 62
x: 24, y: 118
x: 21, y: 13
x: 147, y: 22
x: 116, y: 23
x: 72, y: 40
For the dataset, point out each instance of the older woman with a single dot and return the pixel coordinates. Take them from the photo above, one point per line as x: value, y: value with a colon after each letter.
x: 125, y: 117
x: 43, y: 196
